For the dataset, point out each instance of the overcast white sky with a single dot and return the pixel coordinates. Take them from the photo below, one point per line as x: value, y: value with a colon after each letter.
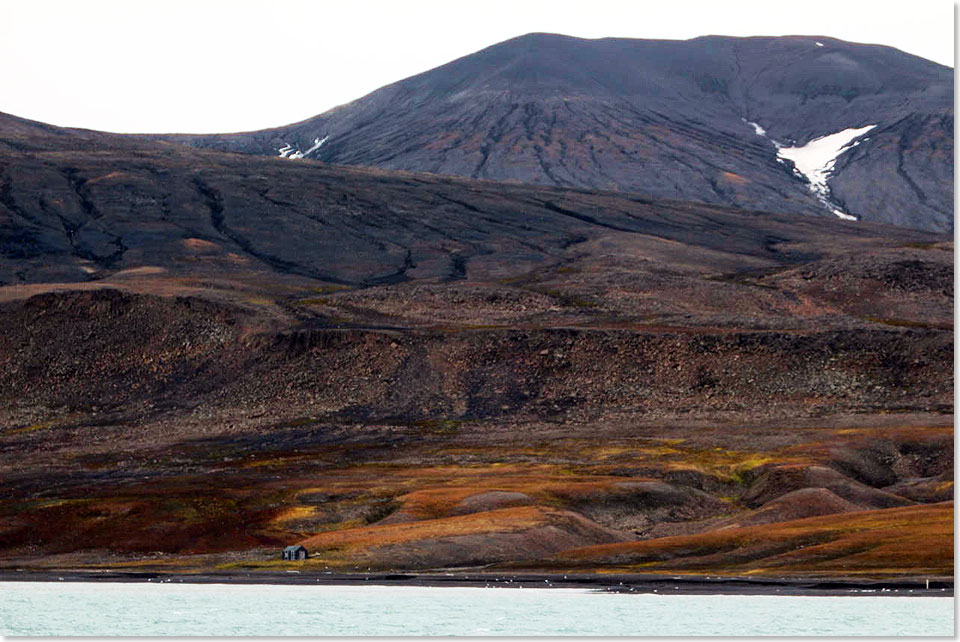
x: 233, y: 65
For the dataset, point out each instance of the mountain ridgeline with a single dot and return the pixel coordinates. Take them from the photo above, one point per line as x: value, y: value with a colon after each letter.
x: 700, y: 120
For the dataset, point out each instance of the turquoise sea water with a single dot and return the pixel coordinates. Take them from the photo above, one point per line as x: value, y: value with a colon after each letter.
x: 68, y: 608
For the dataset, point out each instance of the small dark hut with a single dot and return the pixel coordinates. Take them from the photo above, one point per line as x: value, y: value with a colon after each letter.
x: 295, y: 552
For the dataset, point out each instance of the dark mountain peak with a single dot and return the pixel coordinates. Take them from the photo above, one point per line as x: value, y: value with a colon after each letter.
x: 709, y: 73
x: 536, y: 39
x: 622, y: 62
x: 701, y: 119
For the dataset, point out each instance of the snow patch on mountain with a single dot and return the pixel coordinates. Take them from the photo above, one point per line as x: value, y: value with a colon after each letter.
x: 289, y: 151
x: 317, y: 143
x: 815, y: 160
x: 760, y: 131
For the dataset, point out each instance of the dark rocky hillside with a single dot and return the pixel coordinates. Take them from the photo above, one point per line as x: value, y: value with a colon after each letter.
x: 81, y: 206
x: 668, y: 119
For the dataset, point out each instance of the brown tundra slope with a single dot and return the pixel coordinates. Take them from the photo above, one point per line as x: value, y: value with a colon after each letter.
x: 205, y: 357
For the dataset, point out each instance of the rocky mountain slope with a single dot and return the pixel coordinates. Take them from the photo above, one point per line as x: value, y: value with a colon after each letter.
x: 702, y: 120
x: 80, y: 206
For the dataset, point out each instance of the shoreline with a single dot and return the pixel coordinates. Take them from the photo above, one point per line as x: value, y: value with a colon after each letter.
x: 613, y: 583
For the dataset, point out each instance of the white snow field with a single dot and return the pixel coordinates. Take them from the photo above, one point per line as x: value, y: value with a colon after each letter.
x: 815, y: 161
